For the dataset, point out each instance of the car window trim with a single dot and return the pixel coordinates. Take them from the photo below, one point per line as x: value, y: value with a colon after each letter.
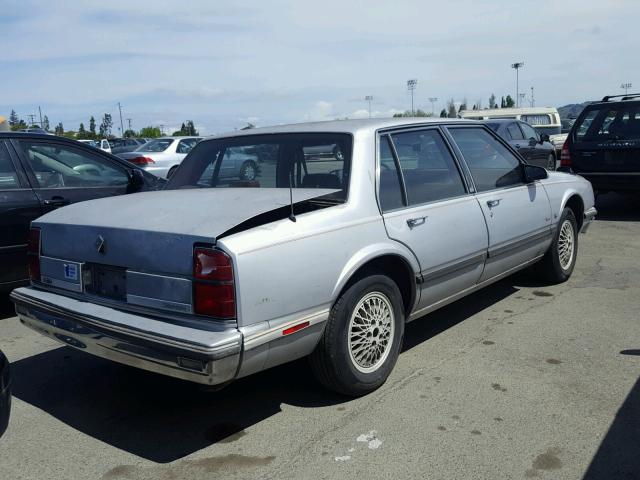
x: 31, y: 173
x: 14, y: 159
x: 501, y: 141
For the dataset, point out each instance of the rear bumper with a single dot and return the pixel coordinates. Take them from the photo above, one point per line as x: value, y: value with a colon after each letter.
x: 201, y: 356
x: 588, y: 217
x: 613, y: 181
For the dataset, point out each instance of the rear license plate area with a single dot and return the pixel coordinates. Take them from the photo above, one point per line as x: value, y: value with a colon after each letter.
x: 105, y: 281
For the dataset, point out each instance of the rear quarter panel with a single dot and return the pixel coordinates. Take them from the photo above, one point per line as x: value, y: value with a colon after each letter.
x: 560, y: 187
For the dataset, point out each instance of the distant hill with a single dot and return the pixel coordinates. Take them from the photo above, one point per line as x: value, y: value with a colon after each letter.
x: 572, y: 110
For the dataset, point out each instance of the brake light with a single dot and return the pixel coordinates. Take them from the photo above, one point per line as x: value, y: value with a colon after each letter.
x: 33, y: 254
x: 565, y: 155
x: 142, y: 160
x: 213, y: 287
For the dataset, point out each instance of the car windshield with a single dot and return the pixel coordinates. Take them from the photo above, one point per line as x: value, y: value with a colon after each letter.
x: 158, y: 145
x: 318, y: 160
x: 609, y: 122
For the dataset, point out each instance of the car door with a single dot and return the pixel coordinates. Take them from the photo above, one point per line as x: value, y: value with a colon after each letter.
x: 19, y: 205
x: 517, y: 214
x: 516, y: 140
x: 537, y: 152
x: 426, y: 205
x: 62, y: 173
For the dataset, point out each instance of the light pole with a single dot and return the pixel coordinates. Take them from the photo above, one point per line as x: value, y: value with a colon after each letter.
x: 433, y: 101
x: 533, y: 102
x: 369, y: 99
x: 626, y: 87
x: 517, y: 66
x: 121, y: 126
x: 522, y: 95
x: 411, y: 86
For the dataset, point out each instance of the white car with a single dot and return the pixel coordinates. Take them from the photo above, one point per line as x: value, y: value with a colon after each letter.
x: 161, y: 156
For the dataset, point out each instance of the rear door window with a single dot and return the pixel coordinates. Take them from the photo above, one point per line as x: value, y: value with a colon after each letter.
x: 8, y: 175
x: 390, y: 183
x: 514, y: 132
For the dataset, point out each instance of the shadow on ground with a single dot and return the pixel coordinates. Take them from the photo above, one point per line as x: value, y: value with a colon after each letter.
x: 615, y: 207
x: 618, y: 456
x: 7, y: 309
x: 162, y: 419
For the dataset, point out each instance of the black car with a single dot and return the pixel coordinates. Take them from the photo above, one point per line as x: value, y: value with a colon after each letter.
x: 5, y: 393
x: 39, y: 173
x: 123, y: 145
x: 533, y: 147
x: 604, y: 144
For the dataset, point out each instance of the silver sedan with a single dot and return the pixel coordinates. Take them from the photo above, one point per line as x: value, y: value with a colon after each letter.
x: 161, y: 156
x: 320, y: 255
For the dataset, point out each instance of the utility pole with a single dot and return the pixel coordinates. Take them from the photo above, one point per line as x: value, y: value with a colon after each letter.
x: 129, y: 121
x: 433, y: 101
x: 369, y: 98
x: 40, y: 112
x: 31, y: 117
x: 626, y: 87
x: 533, y: 102
x: 411, y: 86
x: 162, y: 129
x: 121, y: 126
x: 517, y: 66
x: 522, y: 97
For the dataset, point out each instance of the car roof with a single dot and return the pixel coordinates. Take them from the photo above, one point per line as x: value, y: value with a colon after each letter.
x: 501, y: 121
x: 344, y: 126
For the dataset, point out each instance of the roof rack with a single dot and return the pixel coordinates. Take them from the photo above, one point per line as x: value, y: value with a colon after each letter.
x: 622, y: 97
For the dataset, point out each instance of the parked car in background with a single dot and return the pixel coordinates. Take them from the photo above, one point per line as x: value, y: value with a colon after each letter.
x: 122, y: 145
x: 39, y: 173
x: 534, y: 148
x: 35, y: 130
x: 5, y: 392
x: 90, y: 143
x: 104, y: 145
x: 327, y: 257
x: 604, y: 144
x: 161, y: 156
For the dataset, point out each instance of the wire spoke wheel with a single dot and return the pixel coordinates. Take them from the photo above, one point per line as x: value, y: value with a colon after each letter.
x: 371, y: 331
x: 566, y: 244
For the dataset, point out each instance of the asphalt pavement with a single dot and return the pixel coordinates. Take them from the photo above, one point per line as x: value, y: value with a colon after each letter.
x: 519, y: 380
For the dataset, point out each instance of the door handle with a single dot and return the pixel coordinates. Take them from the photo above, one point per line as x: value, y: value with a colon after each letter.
x: 57, y: 201
x: 416, y: 222
x: 493, y: 203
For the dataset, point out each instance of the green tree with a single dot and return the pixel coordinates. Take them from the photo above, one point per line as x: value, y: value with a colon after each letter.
x: 130, y: 133
x: 106, y: 125
x: 417, y: 113
x: 45, y: 123
x: 502, y: 103
x: 463, y: 105
x: 92, y: 127
x: 13, y: 118
x: 150, y: 132
x: 509, y: 102
x: 443, y: 113
x: 451, y: 109
x: 59, y: 130
x: 492, y: 101
x: 82, y: 133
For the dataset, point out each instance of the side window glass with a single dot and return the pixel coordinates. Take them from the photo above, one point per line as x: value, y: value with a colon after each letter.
x: 515, y: 132
x: 8, y: 176
x: 58, y: 166
x: 428, y: 168
x: 492, y: 165
x: 185, y: 146
x: 390, y: 189
x: 529, y: 132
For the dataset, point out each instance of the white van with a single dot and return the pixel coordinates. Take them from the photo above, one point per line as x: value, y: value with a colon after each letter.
x: 543, y: 119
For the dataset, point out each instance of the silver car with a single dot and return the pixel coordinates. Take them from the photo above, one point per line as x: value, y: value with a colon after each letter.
x: 161, y: 156
x: 326, y: 256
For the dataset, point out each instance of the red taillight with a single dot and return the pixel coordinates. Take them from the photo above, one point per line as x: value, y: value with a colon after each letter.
x: 142, y: 160
x: 565, y: 155
x: 33, y: 254
x: 213, y: 288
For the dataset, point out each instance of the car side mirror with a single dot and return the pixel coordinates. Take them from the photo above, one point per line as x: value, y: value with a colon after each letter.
x: 136, y: 180
x: 533, y: 173
x: 544, y: 138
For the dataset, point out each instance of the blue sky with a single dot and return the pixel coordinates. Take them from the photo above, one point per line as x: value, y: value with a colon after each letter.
x: 224, y: 63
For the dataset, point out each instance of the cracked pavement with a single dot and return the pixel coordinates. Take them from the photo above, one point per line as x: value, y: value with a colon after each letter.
x: 519, y: 380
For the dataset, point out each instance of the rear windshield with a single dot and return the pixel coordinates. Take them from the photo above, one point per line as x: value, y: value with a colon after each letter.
x: 317, y: 160
x: 609, y: 122
x: 159, y: 145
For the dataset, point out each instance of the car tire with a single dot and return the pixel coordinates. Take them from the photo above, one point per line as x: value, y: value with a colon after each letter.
x: 248, y: 171
x: 171, y: 171
x: 558, y: 263
x: 362, y: 338
x: 551, y: 162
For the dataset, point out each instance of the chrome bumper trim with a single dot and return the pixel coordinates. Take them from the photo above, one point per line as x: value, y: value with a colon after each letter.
x: 201, y: 356
x: 589, y: 216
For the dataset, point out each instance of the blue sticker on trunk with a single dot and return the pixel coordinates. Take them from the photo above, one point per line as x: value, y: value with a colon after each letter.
x: 71, y: 271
